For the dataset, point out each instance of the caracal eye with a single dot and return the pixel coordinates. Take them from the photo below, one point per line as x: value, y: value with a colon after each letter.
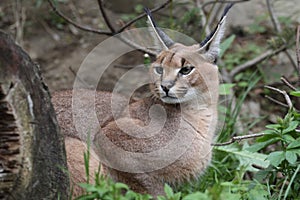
x: 186, y: 70
x: 159, y: 70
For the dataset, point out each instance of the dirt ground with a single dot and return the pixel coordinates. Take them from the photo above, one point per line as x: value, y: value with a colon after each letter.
x: 60, y: 48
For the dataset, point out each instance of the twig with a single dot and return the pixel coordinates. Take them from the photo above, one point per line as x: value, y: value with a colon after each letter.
x: 54, y: 36
x: 276, y: 101
x: 123, y: 66
x: 213, y: 2
x: 20, y: 18
x: 136, y: 46
x: 238, y: 138
x: 286, y: 96
x: 82, y: 81
x: 203, y: 17
x: 107, y: 21
x: 82, y: 27
x: 273, y: 17
x: 112, y: 32
x: 298, y: 50
x: 278, y: 29
x: 274, y: 84
x: 287, y: 83
x: 253, y: 62
x: 143, y: 15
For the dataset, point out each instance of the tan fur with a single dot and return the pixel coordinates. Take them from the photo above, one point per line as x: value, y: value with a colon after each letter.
x: 75, y: 143
x: 192, y: 114
x: 199, y: 121
x: 75, y: 150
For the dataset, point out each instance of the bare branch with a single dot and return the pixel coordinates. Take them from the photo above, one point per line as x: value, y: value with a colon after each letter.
x: 278, y: 29
x: 258, y: 59
x: 298, y: 50
x: 135, y: 45
x: 273, y: 17
x: 20, y: 18
x: 107, y: 21
x: 143, y: 15
x: 108, y: 33
x: 82, y: 81
x: 203, y: 17
x: 276, y: 101
x: 283, y: 92
x: 213, y: 2
x: 287, y: 83
x: 82, y: 27
x: 239, y: 138
x: 123, y: 66
x: 275, y: 84
x: 54, y: 36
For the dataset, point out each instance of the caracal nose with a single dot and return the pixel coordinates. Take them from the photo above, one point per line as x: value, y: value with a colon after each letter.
x: 166, y: 86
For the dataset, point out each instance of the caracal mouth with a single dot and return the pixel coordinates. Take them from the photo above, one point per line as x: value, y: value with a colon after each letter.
x: 171, y: 99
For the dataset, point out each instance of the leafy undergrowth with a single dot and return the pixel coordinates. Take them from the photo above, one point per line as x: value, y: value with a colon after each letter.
x: 266, y: 169
x: 258, y: 169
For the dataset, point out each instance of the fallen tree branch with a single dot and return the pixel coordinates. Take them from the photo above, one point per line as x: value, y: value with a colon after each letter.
x: 238, y: 138
x: 298, y: 50
x: 278, y: 29
x: 273, y: 17
x: 287, y: 83
x: 276, y: 101
x: 283, y: 92
x: 253, y: 62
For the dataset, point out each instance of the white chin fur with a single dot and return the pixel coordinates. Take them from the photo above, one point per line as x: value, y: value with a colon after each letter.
x: 190, y: 95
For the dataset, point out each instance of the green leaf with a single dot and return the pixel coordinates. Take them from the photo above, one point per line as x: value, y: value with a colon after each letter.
x: 243, y: 83
x: 276, y: 158
x: 246, y: 158
x: 291, y: 157
x: 196, y: 196
x: 260, y: 145
x: 177, y: 196
x: 169, y: 191
x: 288, y: 138
x: 273, y: 126
x: 258, y: 193
x: 224, y: 89
x: 295, y: 93
x: 161, y: 198
x: 121, y: 186
x: 226, y: 44
x: 294, y: 144
x: 88, y: 187
x: 292, y: 126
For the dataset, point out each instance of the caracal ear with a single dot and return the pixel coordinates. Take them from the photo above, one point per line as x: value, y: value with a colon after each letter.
x: 210, y: 46
x: 164, y: 40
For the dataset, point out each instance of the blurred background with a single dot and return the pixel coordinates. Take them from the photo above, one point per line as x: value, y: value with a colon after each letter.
x: 258, y: 49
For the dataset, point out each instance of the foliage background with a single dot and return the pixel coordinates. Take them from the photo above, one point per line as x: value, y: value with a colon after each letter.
x: 266, y: 167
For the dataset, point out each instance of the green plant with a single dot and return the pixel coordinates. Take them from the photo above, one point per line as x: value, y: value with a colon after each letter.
x: 103, y: 187
x: 284, y: 157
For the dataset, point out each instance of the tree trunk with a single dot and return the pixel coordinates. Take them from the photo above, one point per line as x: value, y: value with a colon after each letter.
x: 32, y: 152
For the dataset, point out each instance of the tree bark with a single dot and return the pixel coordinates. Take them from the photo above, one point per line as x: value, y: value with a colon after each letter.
x: 32, y: 152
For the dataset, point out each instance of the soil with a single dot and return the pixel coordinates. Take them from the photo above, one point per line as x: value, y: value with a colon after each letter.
x: 60, y: 48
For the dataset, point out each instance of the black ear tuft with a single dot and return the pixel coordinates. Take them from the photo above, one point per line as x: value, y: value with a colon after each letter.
x: 210, y: 46
x: 162, y: 36
x: 211, y: 35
